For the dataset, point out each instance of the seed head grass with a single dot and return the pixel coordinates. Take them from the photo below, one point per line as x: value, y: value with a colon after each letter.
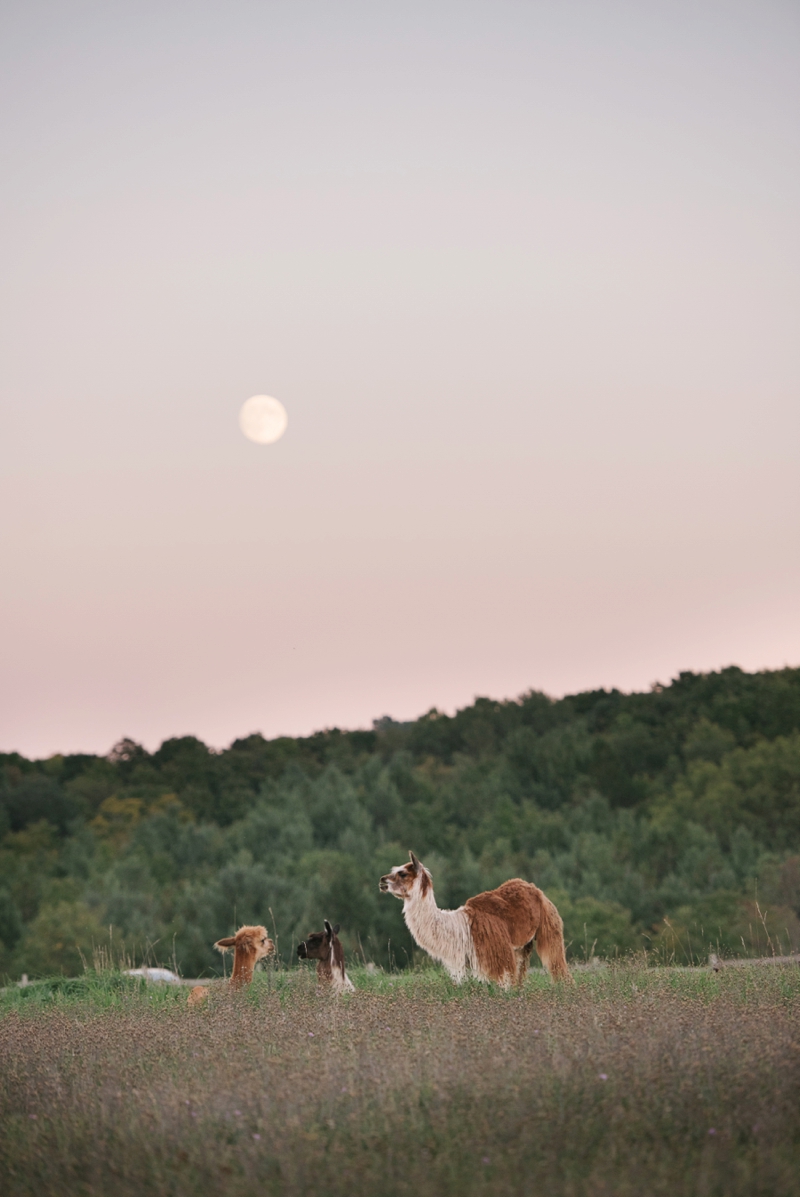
x: 634, y: 1081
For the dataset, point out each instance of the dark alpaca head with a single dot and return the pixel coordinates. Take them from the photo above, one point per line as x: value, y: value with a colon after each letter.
x: 319, y: 945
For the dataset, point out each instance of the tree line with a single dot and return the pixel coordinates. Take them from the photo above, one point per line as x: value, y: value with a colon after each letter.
x: 667, y: 820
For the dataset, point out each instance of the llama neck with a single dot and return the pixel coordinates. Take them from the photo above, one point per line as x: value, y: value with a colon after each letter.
x: 444, y: 934
x: 337, y: 958
x: 427, y: 923
x: 333, y: 964
x: 331, y: 972
x: 243, y: 965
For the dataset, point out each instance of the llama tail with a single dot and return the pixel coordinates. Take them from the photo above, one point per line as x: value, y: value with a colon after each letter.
x: 550, y: 943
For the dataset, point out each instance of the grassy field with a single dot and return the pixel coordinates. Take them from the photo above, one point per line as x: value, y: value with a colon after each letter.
x: 634, y: 1081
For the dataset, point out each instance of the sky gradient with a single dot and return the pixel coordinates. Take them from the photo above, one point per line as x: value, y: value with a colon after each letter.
x: 526, y: 278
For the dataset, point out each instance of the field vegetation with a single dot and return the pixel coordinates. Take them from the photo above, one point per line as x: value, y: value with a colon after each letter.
x: 668, y: 821
x: 634, y: 1081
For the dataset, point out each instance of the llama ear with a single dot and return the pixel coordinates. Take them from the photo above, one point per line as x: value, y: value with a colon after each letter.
x: 222, y: 945
x: 328, y: 929
x: 336, y: 929
x: 414, y: 861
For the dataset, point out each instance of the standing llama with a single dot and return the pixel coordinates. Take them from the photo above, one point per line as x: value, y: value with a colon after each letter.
x: 491, y: 936
x: 249, y: 944
x: 325, y: 948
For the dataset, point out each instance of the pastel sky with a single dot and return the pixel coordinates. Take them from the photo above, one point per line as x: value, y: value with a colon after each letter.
x: 526, y: 277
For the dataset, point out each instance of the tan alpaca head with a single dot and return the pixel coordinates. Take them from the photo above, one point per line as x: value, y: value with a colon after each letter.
x: 249, y: 945
x: 407, y: 879
x: 252, y: 942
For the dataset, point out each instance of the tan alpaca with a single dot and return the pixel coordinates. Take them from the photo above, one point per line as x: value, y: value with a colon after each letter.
x: 249, y: 944
x: 491, y: 936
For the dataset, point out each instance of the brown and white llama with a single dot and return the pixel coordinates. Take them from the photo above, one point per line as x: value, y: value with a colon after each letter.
x: 250, y: 944
x: 491, y: 936
x: 326, y: 949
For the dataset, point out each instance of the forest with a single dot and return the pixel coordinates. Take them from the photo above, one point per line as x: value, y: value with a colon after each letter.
x: 665, y: 822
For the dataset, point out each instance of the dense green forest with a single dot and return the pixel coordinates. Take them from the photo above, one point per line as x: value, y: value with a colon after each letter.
x: 668, y: 820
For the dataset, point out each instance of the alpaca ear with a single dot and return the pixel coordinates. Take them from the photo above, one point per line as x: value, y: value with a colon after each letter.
x: 222, y: 945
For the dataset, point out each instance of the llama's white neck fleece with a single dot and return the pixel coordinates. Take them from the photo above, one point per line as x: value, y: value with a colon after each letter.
x: 341, y: 981
x: 444, y: 934
x: 334, y: 973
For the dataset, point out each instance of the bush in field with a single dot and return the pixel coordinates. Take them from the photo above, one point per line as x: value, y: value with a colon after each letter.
x: 61, y: 939
x: 594, y: 928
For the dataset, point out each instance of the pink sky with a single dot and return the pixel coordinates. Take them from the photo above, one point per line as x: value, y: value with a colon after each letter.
x: 526, y: 279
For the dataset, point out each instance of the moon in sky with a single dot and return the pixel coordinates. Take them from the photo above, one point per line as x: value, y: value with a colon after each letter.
x: 263, y: 419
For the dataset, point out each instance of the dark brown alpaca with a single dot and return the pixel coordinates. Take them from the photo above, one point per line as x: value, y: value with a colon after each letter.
x: 491, y: 936
x: 325, y: 948
x: 249, y: 944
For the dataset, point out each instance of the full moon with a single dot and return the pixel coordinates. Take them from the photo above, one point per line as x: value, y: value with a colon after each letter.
x: 263, y: 419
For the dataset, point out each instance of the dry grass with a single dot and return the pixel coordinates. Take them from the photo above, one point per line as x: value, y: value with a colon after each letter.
x: 636, y: 1081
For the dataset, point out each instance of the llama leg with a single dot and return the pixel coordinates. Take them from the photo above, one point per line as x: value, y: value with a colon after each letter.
x: 550, y: 943
x: 523, y: 956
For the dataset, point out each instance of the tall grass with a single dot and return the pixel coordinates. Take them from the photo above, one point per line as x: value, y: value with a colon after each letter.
x: 634, y: 1081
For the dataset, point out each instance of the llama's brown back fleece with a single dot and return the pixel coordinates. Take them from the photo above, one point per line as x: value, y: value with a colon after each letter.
x: 517, y: 903
x: 506, y: 921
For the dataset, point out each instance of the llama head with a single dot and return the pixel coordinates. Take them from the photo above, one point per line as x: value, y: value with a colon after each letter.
x: 252, y: 942
x: 407, y: 879
x: 318, y: 945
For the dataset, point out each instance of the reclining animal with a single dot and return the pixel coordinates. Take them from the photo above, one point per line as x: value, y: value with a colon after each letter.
x: 249, y: 944
x: 325, y: 948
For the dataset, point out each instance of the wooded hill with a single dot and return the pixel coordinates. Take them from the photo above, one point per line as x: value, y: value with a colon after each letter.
x: 668, y: 820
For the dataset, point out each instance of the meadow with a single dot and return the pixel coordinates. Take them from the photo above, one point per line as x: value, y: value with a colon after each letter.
x: 636, y: 1080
